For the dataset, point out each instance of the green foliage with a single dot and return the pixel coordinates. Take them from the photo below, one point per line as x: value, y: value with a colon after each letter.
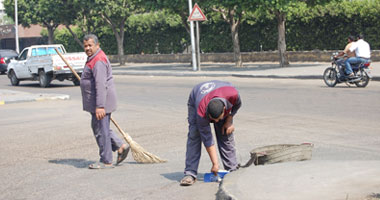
x: 321, y: 26
x: 63, y: 36
x: 215, y: 37
x: 155, y: 32
x: 328, y: 26
x: 36, y: 11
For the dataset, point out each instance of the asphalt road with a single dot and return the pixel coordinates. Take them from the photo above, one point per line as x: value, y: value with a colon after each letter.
x: 46, y: 146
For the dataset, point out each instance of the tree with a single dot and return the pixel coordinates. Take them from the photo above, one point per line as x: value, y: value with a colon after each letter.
x: 230, y: 11
x: 178, y: 7
x: 233, y: 12
x: 280, y: 9
x: 115, y: 13
x: 43, y: 12
x: 77, y: 13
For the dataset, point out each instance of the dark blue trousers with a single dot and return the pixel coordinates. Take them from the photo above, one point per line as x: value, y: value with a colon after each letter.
x: 226, y: 147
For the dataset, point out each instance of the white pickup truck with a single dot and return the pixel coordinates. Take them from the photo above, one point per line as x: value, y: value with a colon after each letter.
x: 42, y: 63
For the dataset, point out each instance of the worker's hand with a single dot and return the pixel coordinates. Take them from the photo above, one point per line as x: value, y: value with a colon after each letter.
x: 228, y: 127
x: 215, y: 169
x: 100, y: 113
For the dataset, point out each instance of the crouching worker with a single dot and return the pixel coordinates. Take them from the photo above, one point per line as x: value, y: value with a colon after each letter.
x: 211, y: 102
x: 99, y: 99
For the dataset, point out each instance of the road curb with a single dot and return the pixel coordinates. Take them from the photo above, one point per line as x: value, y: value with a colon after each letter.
x: 197, y: 74
x: 10, y: 97
x: 179, y: 74
x: 278, y: 76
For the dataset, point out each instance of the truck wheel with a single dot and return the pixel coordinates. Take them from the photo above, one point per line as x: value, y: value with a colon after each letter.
x: 14, y: 80
x: 44, y: 79
x: 76, y: 82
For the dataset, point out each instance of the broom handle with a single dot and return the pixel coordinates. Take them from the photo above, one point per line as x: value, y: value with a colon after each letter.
x: 125, y: 135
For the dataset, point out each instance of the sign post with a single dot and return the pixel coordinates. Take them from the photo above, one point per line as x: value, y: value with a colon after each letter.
x: 193, y: 55
x: 197, y: 15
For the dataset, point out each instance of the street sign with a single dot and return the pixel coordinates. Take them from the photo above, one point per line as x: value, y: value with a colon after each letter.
x: 197, y: 14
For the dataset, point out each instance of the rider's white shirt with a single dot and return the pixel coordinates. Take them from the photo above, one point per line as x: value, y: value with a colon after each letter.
x: 361, y: 49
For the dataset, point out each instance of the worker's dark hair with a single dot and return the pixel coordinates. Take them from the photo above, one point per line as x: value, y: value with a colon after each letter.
x: 360, y: 36
x: 91, y: 36
x: 215, y: 108
x: 351, y: 38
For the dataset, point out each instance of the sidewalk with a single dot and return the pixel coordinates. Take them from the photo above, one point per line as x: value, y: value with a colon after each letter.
x: 249, y: 70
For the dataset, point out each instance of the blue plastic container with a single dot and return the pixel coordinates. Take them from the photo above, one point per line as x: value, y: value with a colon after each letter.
x: 210, y: 177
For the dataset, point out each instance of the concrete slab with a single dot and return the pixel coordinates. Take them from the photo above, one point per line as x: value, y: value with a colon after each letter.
x: 320, y: 179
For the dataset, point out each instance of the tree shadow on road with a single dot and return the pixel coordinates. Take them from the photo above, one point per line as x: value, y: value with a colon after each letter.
x: 78, y: 163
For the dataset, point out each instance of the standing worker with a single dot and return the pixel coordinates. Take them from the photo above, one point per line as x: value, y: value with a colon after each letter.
x: 211, y: 102
x: 99, y: 99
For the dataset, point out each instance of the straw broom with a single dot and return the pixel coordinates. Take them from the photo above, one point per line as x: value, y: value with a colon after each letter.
x: 138, y: 152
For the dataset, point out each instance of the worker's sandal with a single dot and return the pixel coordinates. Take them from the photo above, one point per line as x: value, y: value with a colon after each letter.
x: 188, y: 180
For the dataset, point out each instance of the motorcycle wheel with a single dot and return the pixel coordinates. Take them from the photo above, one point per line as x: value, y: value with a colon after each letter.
x: 363, y: 81
x: 330, y: 77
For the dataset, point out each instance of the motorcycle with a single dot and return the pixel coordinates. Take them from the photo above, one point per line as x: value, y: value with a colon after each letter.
x: 336, y: 73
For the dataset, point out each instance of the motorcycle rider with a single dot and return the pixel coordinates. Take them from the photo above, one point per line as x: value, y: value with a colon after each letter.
x: 346, y: 52
x: 362, y: 51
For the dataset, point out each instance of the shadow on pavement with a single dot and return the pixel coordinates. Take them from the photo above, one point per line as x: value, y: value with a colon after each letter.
x: 36, y: 85
x: 177, y: 176
x: 78, y: 163
x: 373, y: 196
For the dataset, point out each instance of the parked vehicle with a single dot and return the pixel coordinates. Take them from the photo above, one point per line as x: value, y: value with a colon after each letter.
x: 5, y: 57
x: 336, y: 73
x: 43, y: 64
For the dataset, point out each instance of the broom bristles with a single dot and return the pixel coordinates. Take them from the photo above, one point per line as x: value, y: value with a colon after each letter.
x: 138, y: 152
x: 140, y: 155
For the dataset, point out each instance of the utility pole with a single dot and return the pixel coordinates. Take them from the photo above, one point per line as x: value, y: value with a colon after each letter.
x: 16, y: 28
x: 193, y: 55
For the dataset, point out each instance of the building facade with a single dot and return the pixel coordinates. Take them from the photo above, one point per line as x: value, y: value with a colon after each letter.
x: 27, y: 36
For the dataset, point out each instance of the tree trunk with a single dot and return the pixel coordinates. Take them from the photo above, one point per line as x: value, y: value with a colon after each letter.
x: 229, y: 17
x: 75, y: 36
x: 184, y: 17
x: 234, y: 24
x: 120, y: 49
x: 281, y: 44
x: 120, y: 44
x: 119, y: 35
x: 50, y: 30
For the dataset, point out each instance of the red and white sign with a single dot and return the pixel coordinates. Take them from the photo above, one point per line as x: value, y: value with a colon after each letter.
x: 196, y: 14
